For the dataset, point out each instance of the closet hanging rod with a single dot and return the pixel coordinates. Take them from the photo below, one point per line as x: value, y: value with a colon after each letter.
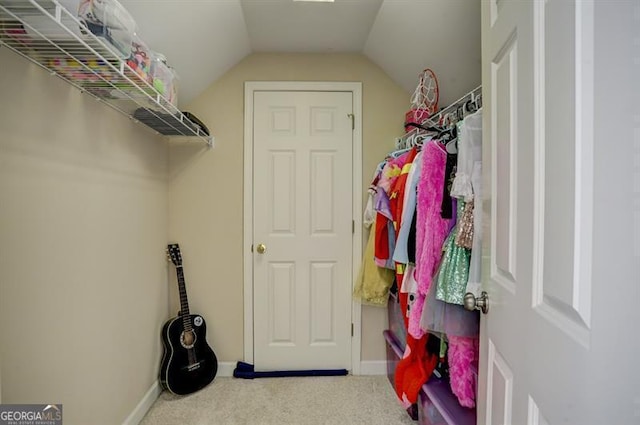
x: 473, y: 94
x: 433, y: 120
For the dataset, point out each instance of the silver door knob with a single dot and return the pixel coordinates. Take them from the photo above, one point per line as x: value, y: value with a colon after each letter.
x: 261, y: 248
x: 481, y: 303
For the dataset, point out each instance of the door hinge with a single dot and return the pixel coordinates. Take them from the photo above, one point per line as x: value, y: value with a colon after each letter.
x: 353, y: 227
x: 352, y: 329
x: 353, y: 121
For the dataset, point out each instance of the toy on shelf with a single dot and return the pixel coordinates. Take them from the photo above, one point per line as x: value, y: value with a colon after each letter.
x: 164, y: 78
x: 139, y: 60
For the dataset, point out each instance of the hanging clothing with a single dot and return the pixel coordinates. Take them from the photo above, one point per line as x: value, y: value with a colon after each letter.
x: 446, y: 210
x: 373, y: 282
x: 401, y: 252
x: 396, y: 200
x: 369, y: 215
x: 453, y: 274
x: 431, y: 228
x: 448, y: 319
x: 385, y: 230
x: 411, y: 243
x: 462, y: 356
x: 469, y: 153
x: 474, y: 284
x: 407, y: 291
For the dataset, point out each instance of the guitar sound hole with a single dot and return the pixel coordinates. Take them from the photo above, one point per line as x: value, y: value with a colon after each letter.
x: 188, y: 339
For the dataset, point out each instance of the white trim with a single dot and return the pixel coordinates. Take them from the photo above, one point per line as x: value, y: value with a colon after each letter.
x: 249, y: 88
x: 372, y: 367
x: 225, y: 369
x: 144, y: 405
x: 584, y: 141
x: 356, y: 307
x: 247, y: 227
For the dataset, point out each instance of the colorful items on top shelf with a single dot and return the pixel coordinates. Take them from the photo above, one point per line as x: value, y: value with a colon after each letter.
x: 140, y: 60
x: 152, y: 67
x: 115, y: 27
x: 109, y: 19
x: 90, y: 70
x: 95, y: 76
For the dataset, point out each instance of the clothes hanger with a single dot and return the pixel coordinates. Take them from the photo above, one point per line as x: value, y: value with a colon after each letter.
x: 449, y: 137
x: 407, y: 140
x: 420, y: 126
x: 397, y: 153
x: 421, y: 138
x: 452, y: 146
x: 470, y: 105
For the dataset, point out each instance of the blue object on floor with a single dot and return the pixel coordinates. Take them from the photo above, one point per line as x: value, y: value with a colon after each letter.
x: 247, y: 371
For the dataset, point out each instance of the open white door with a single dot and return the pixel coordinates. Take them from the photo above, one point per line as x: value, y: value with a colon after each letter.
x: 560, y: 342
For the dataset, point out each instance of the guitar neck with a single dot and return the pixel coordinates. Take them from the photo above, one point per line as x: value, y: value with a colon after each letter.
x: 184, y: 303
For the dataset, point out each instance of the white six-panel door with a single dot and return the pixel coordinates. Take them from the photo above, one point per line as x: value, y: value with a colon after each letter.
x: 302, y: 215
x: 548, y: 351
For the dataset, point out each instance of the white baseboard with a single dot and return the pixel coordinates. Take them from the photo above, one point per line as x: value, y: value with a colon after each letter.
x: 145, y: 404
x: 225, y: 369
x: 373, y: 367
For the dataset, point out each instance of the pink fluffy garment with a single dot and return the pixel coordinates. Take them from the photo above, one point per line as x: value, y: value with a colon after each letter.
x: 431, y: 228
x: 463, y: 361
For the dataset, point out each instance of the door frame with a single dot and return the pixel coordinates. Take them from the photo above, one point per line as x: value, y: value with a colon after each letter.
x: 250, y: 87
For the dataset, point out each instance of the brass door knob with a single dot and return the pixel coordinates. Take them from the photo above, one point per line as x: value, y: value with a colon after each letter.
x: 481, y: 303
x: 261, y: 248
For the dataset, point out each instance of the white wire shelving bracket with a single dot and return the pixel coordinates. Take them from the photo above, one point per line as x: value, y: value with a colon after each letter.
x: 64, y: 48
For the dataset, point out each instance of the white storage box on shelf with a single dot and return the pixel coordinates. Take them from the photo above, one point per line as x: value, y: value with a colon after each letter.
x: 38, y: 26
x: 46, y: 32
x: 110, y: 20
x: 106, y: 19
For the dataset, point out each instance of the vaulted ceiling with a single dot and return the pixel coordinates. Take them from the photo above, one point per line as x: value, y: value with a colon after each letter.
x: 202, y: 39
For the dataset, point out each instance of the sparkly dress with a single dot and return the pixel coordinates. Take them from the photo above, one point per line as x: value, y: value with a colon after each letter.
x: 454, y: 270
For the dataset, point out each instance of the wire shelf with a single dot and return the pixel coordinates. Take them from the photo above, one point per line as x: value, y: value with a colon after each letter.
x: 47, y: 34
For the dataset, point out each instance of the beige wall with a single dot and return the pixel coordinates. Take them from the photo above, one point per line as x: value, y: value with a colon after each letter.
x: 206, y: 191
x: 83, y: 227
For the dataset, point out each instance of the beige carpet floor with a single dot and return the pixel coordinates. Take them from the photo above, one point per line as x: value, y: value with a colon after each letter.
x: 339, y: 400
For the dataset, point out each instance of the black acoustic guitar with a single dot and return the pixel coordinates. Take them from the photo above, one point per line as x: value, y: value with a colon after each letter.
x: 188, y: 363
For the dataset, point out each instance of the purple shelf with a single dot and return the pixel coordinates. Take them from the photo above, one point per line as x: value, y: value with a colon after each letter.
x: 439, y: 393
x: 394, y: 354
x: 392, y: 340
x: 396, y: 322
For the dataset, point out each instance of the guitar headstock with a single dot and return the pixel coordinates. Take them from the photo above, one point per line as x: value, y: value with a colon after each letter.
x: 173, y: 254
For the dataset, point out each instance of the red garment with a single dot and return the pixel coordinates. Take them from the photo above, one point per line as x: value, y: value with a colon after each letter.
x: 396, y: 202
x: 390, y: 173
x: 413, y: 370
x: 396, y: 195
x: 381, y: 246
